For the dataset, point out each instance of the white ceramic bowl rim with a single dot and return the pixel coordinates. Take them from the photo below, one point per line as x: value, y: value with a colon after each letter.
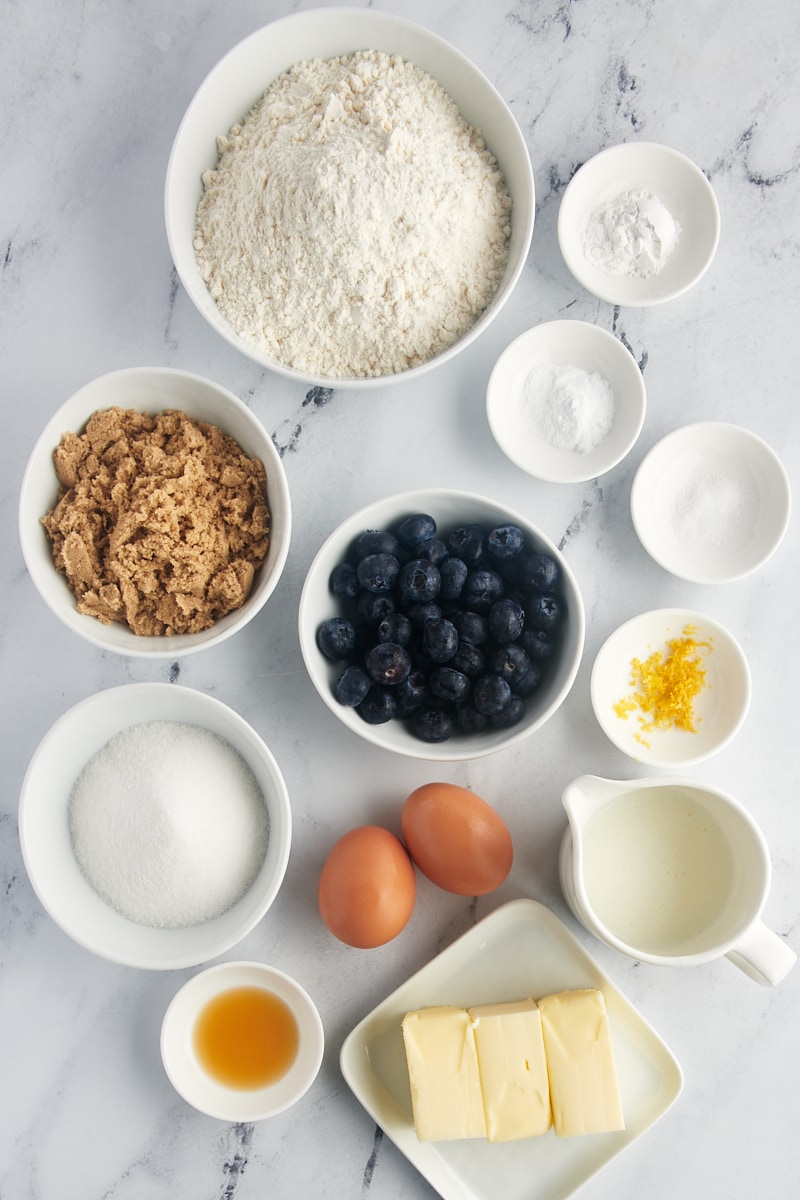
x: 198, y: 1088
x: 564, y: 343
x: 201, y: 398
x: 448, y: 507
x: 224, y: 97
x: 45, y: 840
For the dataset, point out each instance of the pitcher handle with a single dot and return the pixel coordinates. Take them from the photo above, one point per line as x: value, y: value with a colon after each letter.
x: 762, y: 955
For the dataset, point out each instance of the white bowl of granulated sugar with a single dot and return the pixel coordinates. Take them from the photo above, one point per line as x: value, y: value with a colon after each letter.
x: 566, y: 401
x: 349, y: 201
x: 155, y: 825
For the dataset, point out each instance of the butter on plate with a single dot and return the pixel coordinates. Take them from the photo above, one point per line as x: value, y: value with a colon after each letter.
x: 583, y: 1078
x: 513, y: 1069
x: 446, y: 1097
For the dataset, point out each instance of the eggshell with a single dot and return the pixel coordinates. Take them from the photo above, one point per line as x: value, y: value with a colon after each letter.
x: 367, y: 887
x: 456, y: 839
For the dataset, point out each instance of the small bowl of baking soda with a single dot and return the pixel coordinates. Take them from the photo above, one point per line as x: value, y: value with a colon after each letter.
x: 638, y: 224
x: 155, y: 825
x: 566, y: 401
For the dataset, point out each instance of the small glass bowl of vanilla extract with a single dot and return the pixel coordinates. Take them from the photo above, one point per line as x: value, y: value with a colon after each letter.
x: 242, y: 1041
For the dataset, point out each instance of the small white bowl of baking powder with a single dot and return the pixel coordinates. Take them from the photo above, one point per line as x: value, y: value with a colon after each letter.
x: 711, y: 502
x: 566, y: 401
x: 638, y: 224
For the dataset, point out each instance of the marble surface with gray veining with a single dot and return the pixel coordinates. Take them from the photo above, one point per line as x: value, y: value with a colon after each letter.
x: 92, y: 94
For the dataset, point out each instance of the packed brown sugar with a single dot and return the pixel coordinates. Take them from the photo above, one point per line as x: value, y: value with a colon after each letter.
x: 161, y: 521
x: 667, y: 685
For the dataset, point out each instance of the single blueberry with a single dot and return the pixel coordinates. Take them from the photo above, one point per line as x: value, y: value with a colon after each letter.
x: 469, y: 660
x: 506, y: 620
x: 387, y: 663
x: 466, y: 542
x: 481, y: 590
x: 378, y: 706
x: 439, y: 640
x: 471, y: 627
x: 505, y: 541
x: 434, y: 550
x: 545, y: 612
x: 395, y: 627
x: 448, y: 684
x: 415, y: 529
x: 453, y: 573
x: 433, y: 725
x: 490, y: 694
x: 374, y: 607
x: 420, y: 614
x: 378, y: 572
x: 376, y: 541
x: 538, y: 644
x: 344, y: 581
x: 512, y: 664
x: 511, y: 714
x: 336, y: 638
x: 412, y: 691
x: 352, y: 686
x: 418, y: 581
x: 539, y: 572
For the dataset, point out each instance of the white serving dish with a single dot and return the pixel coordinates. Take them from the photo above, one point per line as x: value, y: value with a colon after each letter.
x: 719, y: 709
x: 681, y: 187
x: 522, y: 949
x: 151, y: 390
x: 564, y: 343
x: 711, y: 502
x: 47, y: 848
x: 187, y: 1075
x: 234, y: 85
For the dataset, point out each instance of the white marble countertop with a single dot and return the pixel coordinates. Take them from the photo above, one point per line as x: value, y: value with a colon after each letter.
x: 92, y: 96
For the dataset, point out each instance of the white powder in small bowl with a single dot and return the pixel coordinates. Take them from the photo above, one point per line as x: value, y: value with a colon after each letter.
x: 631, y: 234
x: 567, y: 407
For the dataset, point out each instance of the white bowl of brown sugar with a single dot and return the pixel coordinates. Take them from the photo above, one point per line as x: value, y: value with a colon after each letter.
x: 154, y: 513
x: 349, y: 200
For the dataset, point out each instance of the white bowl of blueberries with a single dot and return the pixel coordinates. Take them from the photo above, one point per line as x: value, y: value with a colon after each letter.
x: 441, y: 625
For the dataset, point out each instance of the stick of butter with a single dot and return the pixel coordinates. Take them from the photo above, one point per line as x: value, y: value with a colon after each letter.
x: 583, y: 1078
x: 513, y: 1069
x: 443, y: 1071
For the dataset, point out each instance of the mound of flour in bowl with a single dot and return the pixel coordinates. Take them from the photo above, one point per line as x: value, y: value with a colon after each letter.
x: 354, y: 225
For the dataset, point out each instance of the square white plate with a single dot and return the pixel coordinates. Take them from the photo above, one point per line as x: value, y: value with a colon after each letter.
x: 520, y: 950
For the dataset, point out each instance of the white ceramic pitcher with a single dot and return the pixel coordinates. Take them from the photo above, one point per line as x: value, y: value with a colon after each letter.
x: 670, y: 871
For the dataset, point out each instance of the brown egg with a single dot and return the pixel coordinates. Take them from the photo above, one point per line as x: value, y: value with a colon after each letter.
x: 457, y: 839
x: 367, y: 887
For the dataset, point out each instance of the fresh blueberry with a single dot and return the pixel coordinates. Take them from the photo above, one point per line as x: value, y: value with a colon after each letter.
x: 469, y: 720
x: 469, y: 660
x: 505, y: 542
x: 336, y: 638
x: 433, y: 725
x: 378, y: 572
x: 544, y: 612
x: 538, y: 572
x: 434, y: 550
x: 387, y: 663
x: 538, y: 644
x: 352, y: 686
x: 506, y: 620
x: 420, y: 614
x: 439, y: 640
x: 412, y: 692
x: 448, y: 684
x: 471, y: 627
x: 481, y: 590
x: 453, y: 573
x: 344, y: 581
x: 512, y: 664
x: 511, y: 714
x: 378, y: 706
x: 490, y: 694
x: 418, y: 581
x: 374, y: 607
x: 395, y: 627
x: 467, y: 542
x: 376, y: 541
x: 415, y: 529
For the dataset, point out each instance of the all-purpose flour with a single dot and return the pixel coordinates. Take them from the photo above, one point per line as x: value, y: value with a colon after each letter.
x: 354, y: 225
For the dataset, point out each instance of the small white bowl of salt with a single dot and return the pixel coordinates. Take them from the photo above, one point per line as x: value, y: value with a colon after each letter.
x: 711, y: 502
x: 638, y: 224
x: 566, y: 401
